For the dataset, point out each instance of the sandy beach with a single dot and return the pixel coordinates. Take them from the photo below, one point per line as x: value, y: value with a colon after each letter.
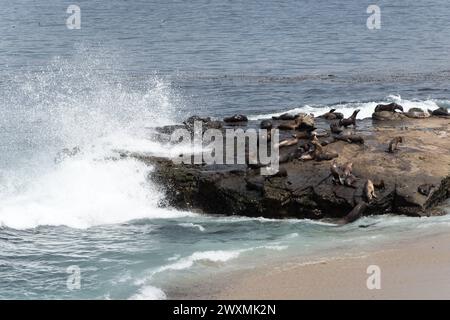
x: 413, y: 270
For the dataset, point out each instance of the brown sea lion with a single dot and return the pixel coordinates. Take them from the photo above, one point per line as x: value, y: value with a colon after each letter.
x: 336, y: 128
x: 336, y: 173
x: 302, y: 123
x: 355, y: 214
x: 266, y: 124
x: 393, y: 145
x: 387, y: 116
x: 350, y: 138
x: 287, y: 116
x: 391, y: 107
x: 425, y: 189
x: 332, y: 115
x: 288, y: 142
x: 319, y: 155
x: 306, y: 123
x: 417, y: 113
x: 440, y: 112
x: 369, y: 191
x: 349, y: 121
x: 347, y: 168
x: 236, y: 118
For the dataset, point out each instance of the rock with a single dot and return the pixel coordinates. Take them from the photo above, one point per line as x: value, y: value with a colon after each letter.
x: 304, y: 189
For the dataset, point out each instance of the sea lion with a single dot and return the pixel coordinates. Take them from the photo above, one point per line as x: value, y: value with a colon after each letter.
x: 349, y: 178
x: 349, y: 181
x: 336, y: 128
x: 302, y: 135
x: 391, y: 107
x: 440, y: 112
x: 332, y: 115
x: 355, y: 214
x: 387, y: 116
x: 302, y: 123
x: 266, y: 124
x: 290, y: 126
x: 393, y: 145
x: 320, y: 133
x: 336, y: 173
x: 369, y: 191
x: 347, y: 168
x: 306, y: 123
x: 349, y: 121
x: 417, y: 113
x: 287, y: 142
x: 319, y: 155
x: 350, y: 138
x: 289, y: 156
x: 425, y: 189
x: 287, y: 116
x: 236, y: 118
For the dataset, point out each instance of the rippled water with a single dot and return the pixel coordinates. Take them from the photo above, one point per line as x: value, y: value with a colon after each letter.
x: 137, y: 64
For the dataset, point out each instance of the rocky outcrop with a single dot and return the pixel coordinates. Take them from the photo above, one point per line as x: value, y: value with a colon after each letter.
x: 305, y: 189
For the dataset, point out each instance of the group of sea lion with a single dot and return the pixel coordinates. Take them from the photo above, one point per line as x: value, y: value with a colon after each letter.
x: 394, y: 111
x: 303, y: 127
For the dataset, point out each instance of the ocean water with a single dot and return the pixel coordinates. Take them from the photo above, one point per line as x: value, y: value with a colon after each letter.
x: 134, y: 65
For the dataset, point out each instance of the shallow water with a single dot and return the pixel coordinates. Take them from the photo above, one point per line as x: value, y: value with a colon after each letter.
x: 134, y: 65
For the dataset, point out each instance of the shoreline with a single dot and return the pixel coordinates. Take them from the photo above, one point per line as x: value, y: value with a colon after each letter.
x: 410, y: 269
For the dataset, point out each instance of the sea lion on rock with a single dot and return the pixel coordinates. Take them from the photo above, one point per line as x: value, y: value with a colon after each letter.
x: 288, y: 142
x: 391, y: 107
x: 440, y: 112
x: 266, y: 124
x: 417, y: 113
x: 425, y: 189
x: 336, y: 128
x: 332, y: 115
x: 349, y: 121
x: 302, y: 123
x: 348, y: 168
x: 393, y: 145
x: 369, y: 191
x: 355, y: 214
x: 287, y: 116
x: 349, y: 178
x: 320, y: 133
x: 350, y: 138
x: 336, y: 173
x: 306, y: 123
x: 387, y: 116
x: 319, y: 155
x: 236, y: 118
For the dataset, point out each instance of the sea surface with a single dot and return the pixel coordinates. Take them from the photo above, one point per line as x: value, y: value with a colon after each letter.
x: 138, y: 64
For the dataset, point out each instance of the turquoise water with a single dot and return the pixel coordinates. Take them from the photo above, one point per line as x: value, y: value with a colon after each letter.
x: 135, y: 65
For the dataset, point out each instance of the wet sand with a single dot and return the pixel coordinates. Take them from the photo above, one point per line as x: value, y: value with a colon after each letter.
x: 418, y: 269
